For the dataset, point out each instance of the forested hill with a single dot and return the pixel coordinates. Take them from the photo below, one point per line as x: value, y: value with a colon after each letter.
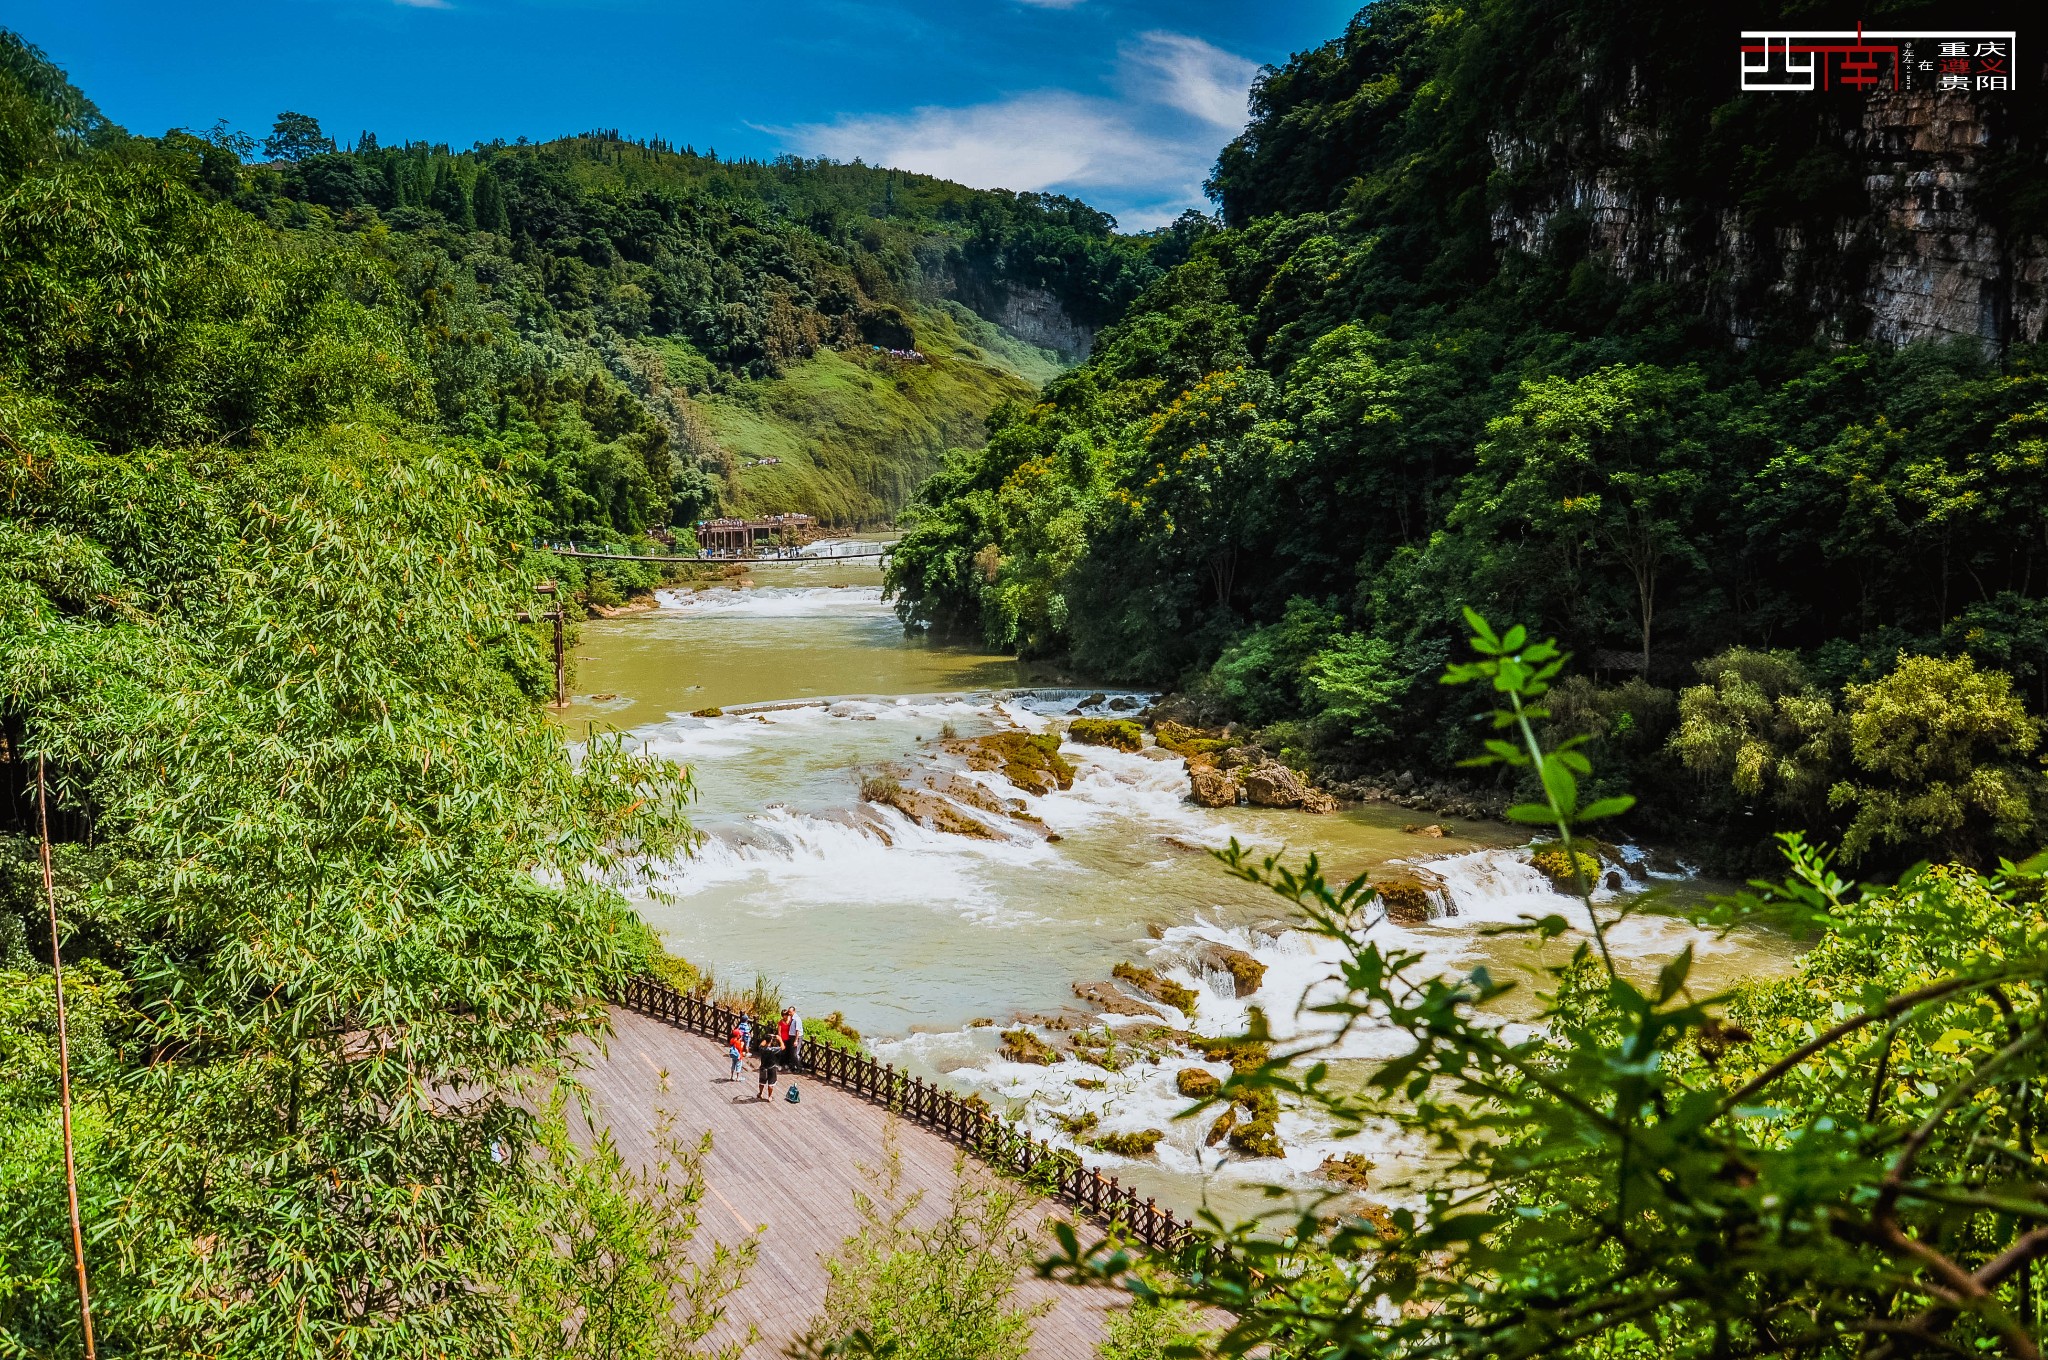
x: 657, y: 334
x: 737, y: 315
x: 1527, y: 306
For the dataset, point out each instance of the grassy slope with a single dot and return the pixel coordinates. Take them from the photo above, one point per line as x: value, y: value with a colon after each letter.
x: 856, y: 431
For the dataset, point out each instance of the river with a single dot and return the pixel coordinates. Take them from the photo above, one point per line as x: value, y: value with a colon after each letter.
x: 917, y: 935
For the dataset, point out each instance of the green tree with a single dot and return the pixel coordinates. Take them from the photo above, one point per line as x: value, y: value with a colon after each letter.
x: 1760, y: 725
x: 489, y: 197
x: 1616, y: 472
x: 1942, y: 758
x: 937, y: 1292
x: 295, y: 136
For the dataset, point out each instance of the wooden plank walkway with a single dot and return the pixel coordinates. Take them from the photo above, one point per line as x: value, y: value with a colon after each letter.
x: 794, y: 1169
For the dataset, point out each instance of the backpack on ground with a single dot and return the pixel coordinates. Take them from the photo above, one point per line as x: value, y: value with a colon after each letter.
x: 792, y: 1096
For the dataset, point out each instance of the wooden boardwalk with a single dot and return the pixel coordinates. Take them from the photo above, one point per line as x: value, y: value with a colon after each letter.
x: 792, y: 1169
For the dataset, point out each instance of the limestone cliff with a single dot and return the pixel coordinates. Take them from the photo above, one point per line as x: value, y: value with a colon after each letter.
x: 1913, y: 257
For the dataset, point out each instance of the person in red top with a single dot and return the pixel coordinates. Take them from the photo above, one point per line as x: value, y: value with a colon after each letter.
x: 792, y: 1031
x: 736, y: 1050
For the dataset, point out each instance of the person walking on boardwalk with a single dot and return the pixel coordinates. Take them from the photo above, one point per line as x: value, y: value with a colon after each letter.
x: 771, y: 1064
x: 736, y: 1050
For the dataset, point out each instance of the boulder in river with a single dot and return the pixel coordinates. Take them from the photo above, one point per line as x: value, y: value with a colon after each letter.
x: 1211, y: 787
x: 1413, y: 897
x: 1161, y: 989
x: 1111, y: 1000
x: 1274, y: 785
x: 1121, y: 734
x: 1245, y: 972
x: 1030, y: 760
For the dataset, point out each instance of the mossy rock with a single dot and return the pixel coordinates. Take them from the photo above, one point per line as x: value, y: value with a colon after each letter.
x: 1352, y: 1169
x: 1031, y: 761
x: 707, y: 713
x: 1106, y: 998
x: 1407, y: 902
x: 1120, y: 733
x: 1220, y: 1126
x: 1183, y: 740
x: 1246, y: 972
x: 1258, y: 1138
x: 1243, y: 1055
x: 1573, y: 873
x: 1160, y: 989
x: 1135, y: 1144
x: 1090, y: 1084
x: 1195, y: 1083
x: 1077, y: 1124
x: 1259, y: 1103
x: 1021, y: 1045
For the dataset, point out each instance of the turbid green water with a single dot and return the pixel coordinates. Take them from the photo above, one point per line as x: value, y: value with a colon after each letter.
x: 915, y: 934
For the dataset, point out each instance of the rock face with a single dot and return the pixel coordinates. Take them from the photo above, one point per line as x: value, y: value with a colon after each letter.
x: 1919, y: 253
x: 1211, y: 787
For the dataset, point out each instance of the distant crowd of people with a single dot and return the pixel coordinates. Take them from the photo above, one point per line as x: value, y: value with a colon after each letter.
x: 912, y: 355
x: 776, y: 1051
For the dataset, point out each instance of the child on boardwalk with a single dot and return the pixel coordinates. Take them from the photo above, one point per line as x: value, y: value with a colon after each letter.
x: 736, y: 1050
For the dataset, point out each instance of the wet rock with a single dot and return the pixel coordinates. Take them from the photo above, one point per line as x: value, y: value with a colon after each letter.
x: 1568, y: 872
x: 1137, y: 1144
x: 1614, y: 880
x: 928, y: 809
x: 978, y: 795
x: 1108, y: 998
x: 1196, y: 1083
x: 1211, y: 787
x: 1235, y: 756
x: 1031, y: 761
x: 1352, y: 1169
x: 1118, y: 733
x: 1244, y: 971
x: 1021, y: 1045
x: 1123, y: 703
x: 1220, y: 1127
x: 1433, y: 830
x: 1413, y: 897
x: 1258, y: 1138
x: 1161, y: 989
x: 1662, y: 862
x: 1189, y: 741
x: 1318, y: 802
x: 1273, y: 785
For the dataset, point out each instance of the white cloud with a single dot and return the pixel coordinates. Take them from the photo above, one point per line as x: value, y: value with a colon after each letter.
x: 1193, y: 76
x: 1031, y: 141
x: 1142, y: 153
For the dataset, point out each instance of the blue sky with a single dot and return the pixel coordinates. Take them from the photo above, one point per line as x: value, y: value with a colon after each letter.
x: 1123, y: 102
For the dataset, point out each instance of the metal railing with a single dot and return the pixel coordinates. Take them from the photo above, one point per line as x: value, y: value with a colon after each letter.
x: 965, y: 1121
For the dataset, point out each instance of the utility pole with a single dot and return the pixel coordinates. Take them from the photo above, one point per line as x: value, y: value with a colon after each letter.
x: 63, y: 1061
x: 561, y: 658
